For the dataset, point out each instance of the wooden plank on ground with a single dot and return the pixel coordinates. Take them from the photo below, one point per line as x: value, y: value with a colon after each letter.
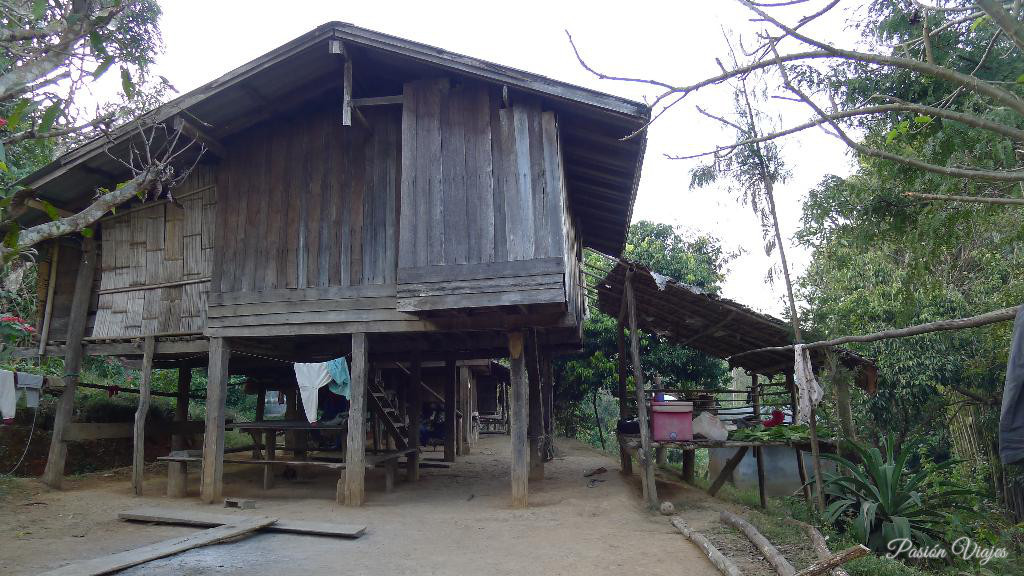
x: 129, y: 558
x: 208, y: 519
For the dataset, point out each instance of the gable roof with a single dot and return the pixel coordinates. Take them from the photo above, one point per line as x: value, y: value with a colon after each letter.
x: 602, y: 171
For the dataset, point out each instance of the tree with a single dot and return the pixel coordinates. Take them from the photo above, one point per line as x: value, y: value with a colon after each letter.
x: 49, y: 51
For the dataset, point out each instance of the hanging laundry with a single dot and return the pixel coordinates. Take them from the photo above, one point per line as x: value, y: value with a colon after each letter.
x: 1011, y: 417
x: 8, y: 396
x: 808, y: 392
x: 339, y: 373
x: 311, y: 377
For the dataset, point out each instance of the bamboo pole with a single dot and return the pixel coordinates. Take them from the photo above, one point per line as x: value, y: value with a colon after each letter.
x: 646, y: 458
x: 724, y: 565
x: 767, y: 549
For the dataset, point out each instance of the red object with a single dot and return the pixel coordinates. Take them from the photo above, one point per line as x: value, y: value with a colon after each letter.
x: 3, y: 122
x: 776, y: 419
x: 671, y: 421
x: 8, y: 421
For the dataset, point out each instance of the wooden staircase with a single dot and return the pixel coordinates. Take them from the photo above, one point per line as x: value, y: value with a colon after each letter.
x: 386, y: 412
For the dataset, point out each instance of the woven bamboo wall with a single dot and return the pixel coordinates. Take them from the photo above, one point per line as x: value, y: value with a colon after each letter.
x: 155, y: 264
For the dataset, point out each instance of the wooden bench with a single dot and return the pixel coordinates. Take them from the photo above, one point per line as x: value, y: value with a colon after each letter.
x: 388, y: 461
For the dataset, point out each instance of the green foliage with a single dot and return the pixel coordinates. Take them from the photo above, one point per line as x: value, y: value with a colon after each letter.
x: 880, y: 500
x: 35, y: 124
x: 782, y: 432
x: 881, y: 259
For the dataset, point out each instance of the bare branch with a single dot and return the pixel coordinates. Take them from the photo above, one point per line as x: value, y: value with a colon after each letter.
x: 1016, y: 175
x: 1006, y: 22
x: 33, y: 134
x: 603, y: 76
x: 967, y: 119
x: 1004, y: 315
x: 980, y: 86
x: 976, y: 199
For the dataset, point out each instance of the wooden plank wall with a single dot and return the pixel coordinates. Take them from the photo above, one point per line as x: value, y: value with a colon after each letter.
x: 308, y: 213
x: 155, y: 264
x: 483, y: 200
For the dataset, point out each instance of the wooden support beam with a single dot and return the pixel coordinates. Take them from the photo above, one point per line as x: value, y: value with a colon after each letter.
x: 536, y: 413
x: 727, y: 470
x: 346, y: 102
x: 378, y: 101
x: 139, y: 438
x: 466, y: 388
x: 625, y: 458
x: 519, y: 417
x: 646, y: 456
x: 451, y: 381
x: 211, y: 144
x: 177, y: 480
x: 801, y: 471
x: 414, y: 396
x: 44, y: 332
x: 53, y: 476
x: 755, y: 394
x: 355, y: 455
x: 217, y: 375
x: 547, y: 383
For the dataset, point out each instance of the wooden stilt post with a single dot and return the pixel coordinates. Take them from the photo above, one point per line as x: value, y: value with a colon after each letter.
x: 755, y: 394
x: 355, y: 456
x: 257, y: 436
x: 451, y: 382
x: 177, y: 480
x: 466, y: 388
x: 819, y: 486
x: 625, y: 459
x: 536, y: 413
x: 415, y: 412
x: 799, y: 455
x: 53, y: 476
x: 689, y: 463
x: 139, y: 437
x: 519, y: 418
x: 548, y: 391
x: 646, y: 455
x: 217, y: 374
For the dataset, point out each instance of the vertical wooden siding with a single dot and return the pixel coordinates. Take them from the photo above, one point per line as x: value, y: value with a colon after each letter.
x: 163, y: 244
x: 480, y: 184
x: 483, y: 200
x: 307, y: 203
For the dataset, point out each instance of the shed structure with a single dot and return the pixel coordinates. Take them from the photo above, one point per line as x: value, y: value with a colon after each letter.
x: 360, y: 195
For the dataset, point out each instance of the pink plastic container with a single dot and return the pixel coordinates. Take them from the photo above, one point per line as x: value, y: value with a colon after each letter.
x: 671, y: 421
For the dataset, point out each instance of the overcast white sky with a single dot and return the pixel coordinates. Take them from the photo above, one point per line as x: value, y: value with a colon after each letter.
x: 671, y: 41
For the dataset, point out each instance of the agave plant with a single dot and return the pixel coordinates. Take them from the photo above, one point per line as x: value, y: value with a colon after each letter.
x: 882, y: 501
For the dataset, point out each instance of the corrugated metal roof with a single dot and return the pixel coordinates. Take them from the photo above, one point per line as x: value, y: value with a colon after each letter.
x: 602, y: 170
x: 714, y: 325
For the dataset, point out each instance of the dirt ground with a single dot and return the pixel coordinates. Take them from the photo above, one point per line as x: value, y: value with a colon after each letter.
x: 455, y: 521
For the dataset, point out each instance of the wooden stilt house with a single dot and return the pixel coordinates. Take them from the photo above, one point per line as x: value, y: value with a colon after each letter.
x: 360, y: 195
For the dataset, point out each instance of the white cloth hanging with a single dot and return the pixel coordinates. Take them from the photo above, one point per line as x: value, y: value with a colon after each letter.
x: 808, y: 392
x: 8, y: 395
x: 311, y: 378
